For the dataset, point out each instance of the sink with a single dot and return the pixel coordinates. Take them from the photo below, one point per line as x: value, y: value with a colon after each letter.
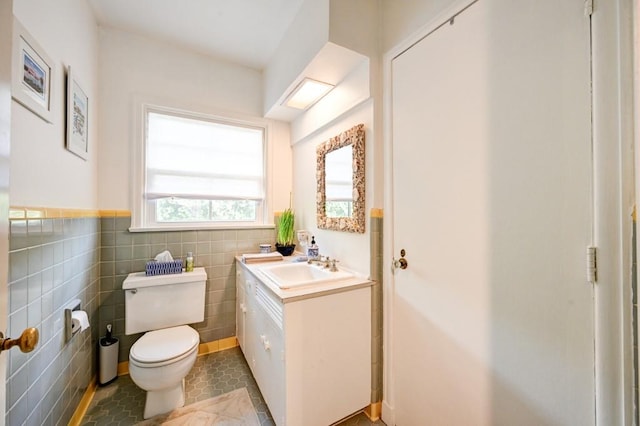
x: 301, y: 274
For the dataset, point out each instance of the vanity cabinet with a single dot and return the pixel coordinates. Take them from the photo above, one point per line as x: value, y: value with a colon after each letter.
x: 310, y: 354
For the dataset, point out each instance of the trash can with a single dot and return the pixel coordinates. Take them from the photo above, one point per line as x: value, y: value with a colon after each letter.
x: 108, y: 357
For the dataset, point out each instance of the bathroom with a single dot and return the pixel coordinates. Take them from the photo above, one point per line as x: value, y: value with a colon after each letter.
x: 69, y: 216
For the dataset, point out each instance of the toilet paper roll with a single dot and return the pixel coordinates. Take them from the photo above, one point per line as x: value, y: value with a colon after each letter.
x: 79, y: 321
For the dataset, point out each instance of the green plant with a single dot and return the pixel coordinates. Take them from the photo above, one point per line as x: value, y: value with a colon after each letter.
x: 286, y: 230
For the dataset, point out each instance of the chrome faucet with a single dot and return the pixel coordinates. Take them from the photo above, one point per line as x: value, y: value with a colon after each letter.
x: 320, y: 260
x: 326, y: 262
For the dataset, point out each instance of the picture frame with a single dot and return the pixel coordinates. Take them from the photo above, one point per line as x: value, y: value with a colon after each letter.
x: 77, y: 140
x: 33, y: 72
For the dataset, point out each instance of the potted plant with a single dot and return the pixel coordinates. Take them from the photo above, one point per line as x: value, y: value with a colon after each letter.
x: 285, y: 233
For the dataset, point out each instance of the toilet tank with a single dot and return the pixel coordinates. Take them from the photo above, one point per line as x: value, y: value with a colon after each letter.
x: 161, y: 301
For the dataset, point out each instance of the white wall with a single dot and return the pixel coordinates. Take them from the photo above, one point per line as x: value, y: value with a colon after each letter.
x: 43, y: 172
x: 308, y: 32
x: 353, y: 26
x: 352, y: 250
x: 135, y: 68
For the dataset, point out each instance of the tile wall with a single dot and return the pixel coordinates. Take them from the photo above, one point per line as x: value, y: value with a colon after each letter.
x: 376, y: 222
x: 123, y: 252
x: 51, y: 262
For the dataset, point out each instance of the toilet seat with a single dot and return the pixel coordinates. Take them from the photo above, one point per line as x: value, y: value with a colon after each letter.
x: 166, y: 346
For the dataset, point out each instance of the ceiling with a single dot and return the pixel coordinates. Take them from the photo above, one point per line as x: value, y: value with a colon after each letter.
x: 245, y: 32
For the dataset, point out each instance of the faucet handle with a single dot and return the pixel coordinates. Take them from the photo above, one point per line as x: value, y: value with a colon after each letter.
x: 333, y: 267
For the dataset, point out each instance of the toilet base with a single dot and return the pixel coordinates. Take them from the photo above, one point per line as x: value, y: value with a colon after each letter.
x: 163, y: 401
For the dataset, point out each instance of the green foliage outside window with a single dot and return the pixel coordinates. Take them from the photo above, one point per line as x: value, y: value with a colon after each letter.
x: 186, y: 210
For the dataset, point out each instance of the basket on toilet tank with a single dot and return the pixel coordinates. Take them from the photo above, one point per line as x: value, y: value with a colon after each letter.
x: 154, y: 267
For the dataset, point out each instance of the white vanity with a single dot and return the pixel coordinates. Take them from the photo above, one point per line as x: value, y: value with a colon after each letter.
x: 308, y: 346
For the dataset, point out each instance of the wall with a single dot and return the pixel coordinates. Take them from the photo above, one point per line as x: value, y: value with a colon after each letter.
x: 52, y: 261
x: 351, y: 249
x: 123, y: 252
x: 67, y: 31
x: 136, y: 69
x: 307, y: 34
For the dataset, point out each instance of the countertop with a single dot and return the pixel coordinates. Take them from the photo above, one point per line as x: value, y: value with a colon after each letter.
x: 305, y: 292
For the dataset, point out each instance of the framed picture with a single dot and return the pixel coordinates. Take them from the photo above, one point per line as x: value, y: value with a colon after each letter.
x: 32, y: 74
x: 77, y: 118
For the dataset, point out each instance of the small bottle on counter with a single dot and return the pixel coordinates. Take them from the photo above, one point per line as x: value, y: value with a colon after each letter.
x: 189, y: 262
x: 313, y: 251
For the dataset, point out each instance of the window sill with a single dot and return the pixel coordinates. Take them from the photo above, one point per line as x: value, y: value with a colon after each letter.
x: 200, y: 228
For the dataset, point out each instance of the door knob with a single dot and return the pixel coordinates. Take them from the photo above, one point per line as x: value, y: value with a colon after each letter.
x: 26, y: 342
x: 402, y: 262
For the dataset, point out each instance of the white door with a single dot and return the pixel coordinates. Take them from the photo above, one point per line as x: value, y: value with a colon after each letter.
x: 492, y: 320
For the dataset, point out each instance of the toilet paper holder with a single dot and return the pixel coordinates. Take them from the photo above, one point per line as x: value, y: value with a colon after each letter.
x: 74, y: 305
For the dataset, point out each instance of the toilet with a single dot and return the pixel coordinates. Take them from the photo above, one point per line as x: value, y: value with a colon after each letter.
x: 162, y: 306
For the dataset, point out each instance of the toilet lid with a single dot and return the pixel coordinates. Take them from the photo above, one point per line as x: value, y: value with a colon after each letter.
x: 165, y: 344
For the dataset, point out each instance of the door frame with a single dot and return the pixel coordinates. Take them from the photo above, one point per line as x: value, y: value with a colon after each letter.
x: 614, y: 198
x: 615, y: 192
x: 6, y: 37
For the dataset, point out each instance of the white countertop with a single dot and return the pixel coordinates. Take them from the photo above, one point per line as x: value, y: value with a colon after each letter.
x: 305, y: 292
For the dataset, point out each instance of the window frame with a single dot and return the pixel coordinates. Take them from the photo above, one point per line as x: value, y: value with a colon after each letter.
x: 143, y: 210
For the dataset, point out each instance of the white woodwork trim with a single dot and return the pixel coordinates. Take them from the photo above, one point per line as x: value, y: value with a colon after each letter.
x: 636, y: 144
x: 612, y: 48
x: 6, y: 25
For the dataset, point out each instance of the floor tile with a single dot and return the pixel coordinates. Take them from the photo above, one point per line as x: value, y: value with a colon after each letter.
x: 122, y: 402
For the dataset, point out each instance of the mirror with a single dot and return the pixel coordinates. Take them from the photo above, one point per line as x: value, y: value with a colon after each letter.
x: 340, y: 181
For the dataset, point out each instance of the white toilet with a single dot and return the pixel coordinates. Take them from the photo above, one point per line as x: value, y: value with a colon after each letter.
x: 162, y: 306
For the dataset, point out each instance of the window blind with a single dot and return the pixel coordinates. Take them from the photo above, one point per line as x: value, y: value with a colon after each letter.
x: 201, y: 159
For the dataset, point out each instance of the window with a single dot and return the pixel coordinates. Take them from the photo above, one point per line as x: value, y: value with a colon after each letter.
x: 201, y: 171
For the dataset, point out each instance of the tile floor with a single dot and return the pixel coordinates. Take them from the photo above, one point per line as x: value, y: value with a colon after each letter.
x: 121, y: 402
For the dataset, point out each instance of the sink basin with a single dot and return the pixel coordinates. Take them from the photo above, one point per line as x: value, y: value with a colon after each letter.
x: 301, y: 274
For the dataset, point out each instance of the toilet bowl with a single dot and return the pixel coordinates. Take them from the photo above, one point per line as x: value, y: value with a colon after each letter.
x: 158, y: 363
x: 162, y: 306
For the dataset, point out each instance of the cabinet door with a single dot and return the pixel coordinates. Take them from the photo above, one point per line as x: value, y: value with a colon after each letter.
x: 269, y: 366
x: 250, y: 321
x: 241, y: 308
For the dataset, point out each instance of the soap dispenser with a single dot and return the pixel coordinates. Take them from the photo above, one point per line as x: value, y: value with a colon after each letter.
x: 189, y: 262
x: 313, y: 252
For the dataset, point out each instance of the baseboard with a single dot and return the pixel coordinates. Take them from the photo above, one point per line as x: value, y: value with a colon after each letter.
x: 373, y: 411
x: 217, y: 345
x: 83, y: 406
x: 203, y: 349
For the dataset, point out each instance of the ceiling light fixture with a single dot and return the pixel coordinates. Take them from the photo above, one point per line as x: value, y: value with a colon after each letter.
x: 307, y: 93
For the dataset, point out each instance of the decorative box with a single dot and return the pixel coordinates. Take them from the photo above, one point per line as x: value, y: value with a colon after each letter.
x: 163, y: 268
